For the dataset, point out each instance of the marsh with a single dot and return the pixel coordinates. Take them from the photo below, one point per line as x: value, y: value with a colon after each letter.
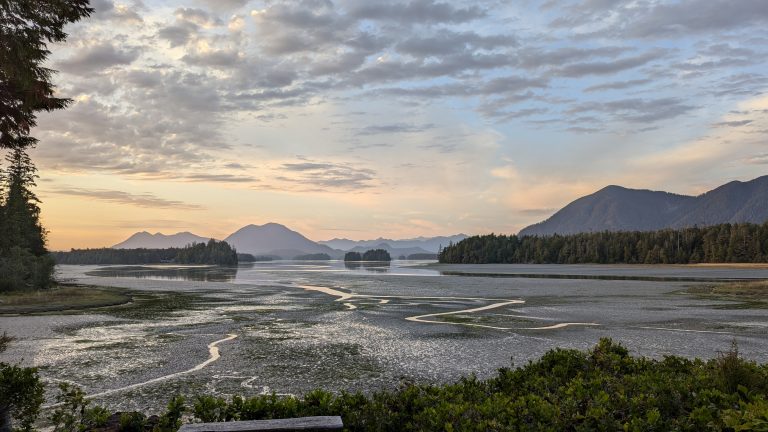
x: 289, y: 327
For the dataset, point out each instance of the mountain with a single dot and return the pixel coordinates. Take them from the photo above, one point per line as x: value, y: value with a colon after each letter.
x: 426, y: 244
x: 616, y: 208
x: 159, y: 241
x: 276, y: 239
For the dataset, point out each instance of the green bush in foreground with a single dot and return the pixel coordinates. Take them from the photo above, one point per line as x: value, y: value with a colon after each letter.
x: 565, y: 390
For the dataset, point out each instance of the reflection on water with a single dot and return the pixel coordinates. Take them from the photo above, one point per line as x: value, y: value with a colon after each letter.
x: 201, y: 274
x: 256, y: 272
x: 372, y: 266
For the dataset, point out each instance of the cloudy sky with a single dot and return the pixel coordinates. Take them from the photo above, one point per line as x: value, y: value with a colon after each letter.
x: 394, y: 118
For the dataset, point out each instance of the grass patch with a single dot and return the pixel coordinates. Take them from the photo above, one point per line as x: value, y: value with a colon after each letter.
x: 61, y: 298
x: 148, y: 305
x: 748, y: 294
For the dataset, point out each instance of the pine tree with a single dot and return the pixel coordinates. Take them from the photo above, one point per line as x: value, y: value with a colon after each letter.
x: 26, y: 88
x: 26, y: 27
x: 21, y: 213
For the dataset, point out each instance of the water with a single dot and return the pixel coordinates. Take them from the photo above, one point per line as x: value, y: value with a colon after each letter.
x: 289, y: 327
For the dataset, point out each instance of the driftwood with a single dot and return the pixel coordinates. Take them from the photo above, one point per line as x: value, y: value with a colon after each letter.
x: 307, y: 424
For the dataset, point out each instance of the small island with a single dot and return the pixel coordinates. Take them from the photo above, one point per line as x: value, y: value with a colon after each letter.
x: 369, y: 255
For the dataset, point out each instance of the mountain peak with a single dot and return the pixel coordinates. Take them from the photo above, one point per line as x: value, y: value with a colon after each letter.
x: 275, y: 239
x: 144, y: 239
x: 616, y: 208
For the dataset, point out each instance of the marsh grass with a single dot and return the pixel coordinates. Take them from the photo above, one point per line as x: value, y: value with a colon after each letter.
x: 747, y: 294
x: 61, y: 298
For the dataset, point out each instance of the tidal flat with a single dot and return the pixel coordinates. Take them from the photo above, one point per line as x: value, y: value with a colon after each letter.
x: 289, y: 327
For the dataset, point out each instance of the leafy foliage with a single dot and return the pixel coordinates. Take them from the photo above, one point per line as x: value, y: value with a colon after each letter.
x: 602, y: 389
x: 73, y: 414
x: 726, y: 243
x: 21, y: 394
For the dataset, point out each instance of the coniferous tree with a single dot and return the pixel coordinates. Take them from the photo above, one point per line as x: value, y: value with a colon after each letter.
x: 26, y: 88
x: 725, y: 243
x: 21, y: 213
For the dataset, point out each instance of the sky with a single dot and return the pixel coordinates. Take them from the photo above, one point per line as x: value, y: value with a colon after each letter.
x: 399, y: 118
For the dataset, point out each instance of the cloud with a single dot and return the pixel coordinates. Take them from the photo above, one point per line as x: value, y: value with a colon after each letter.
x: 224, y: 5
x: 119, y: 197
x: 618, y: 85
x: 219, y: 178
x: 197, y: 17
x: 177, y: 34
x: 97, y: 58
x: 732, y: 123
x: 425, y: 12
x: 758, y: 159
x: 109, y: 11
x: 694, y: 16
x: 396, y: 128
x: 657, y: 20
x: 531, y: 58
x: 324, y: 176
x: 576, y: 70
x: 636, y: 110
x: 446, y: 42
x: 217, y: 58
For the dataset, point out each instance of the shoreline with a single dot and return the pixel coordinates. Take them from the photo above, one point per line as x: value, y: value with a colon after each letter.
x: 724, y: 272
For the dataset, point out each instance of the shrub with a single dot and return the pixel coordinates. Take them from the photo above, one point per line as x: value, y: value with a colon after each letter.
x: 21, y: 394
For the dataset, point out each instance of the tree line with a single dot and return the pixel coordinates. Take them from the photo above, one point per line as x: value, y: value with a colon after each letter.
x: 214, y: 253
x: 724, y: 243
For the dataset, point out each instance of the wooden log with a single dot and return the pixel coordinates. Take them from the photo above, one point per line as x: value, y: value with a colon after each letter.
x: 307, y: 424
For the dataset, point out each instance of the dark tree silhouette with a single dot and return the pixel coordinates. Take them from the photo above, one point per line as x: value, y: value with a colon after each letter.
x: 376, y: 255
x: 353, y: 256
x: 213, y: 252
x: 26, y: 29
x: 725, y: 243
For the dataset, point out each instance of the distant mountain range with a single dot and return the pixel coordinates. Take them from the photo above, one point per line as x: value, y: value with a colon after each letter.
x: 159, y: 241
x: 616, y: 208
x: 425, y: 244
x: 276, y: 240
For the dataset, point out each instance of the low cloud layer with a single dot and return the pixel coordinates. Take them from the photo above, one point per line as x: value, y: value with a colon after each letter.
x: 119, y: 197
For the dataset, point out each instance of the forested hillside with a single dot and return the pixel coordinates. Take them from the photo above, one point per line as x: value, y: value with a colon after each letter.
x: 616, y: 208
x: 726, y: 243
